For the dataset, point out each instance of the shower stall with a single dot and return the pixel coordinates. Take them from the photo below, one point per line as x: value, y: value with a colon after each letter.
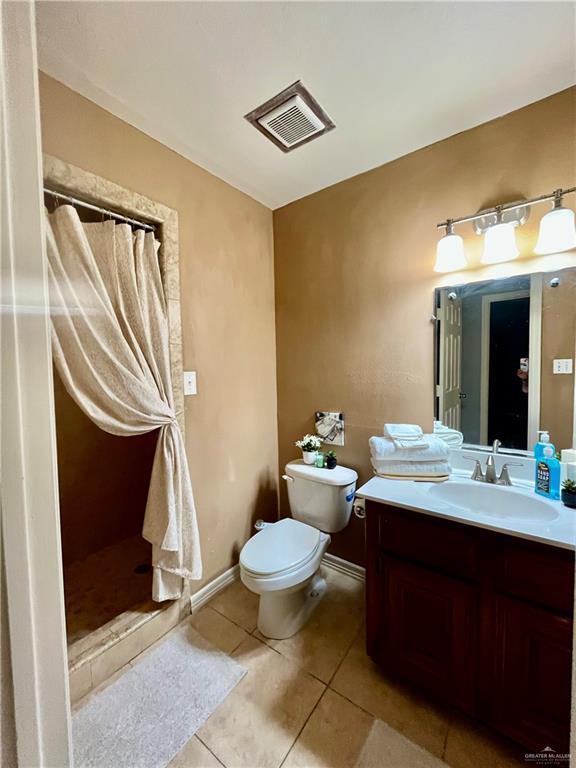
x: 103, y: 483
x: 128, y: 527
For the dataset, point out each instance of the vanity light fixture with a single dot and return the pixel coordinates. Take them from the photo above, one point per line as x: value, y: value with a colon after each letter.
x: 557, y: 232
x: 500, y: 242
x: 557, y: 229
x: 450, y: 252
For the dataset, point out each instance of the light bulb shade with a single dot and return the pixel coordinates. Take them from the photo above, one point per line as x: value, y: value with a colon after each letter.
x: 557, y: 232
x: 500, y: 244
x: 450, y: 254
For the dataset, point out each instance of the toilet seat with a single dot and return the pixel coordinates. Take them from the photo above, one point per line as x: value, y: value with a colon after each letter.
x: 279, y: 549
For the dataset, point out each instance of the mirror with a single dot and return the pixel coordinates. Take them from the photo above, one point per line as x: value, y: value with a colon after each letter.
x: 504, y: 359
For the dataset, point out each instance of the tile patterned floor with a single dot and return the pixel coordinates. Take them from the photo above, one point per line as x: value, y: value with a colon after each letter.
x: 317, y: 701
x: 104, y: 585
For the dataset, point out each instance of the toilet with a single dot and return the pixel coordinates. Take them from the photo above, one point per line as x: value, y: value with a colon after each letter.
x: 281, y: 563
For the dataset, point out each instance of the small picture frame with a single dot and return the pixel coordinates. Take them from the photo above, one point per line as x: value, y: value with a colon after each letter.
x: 330, y: 427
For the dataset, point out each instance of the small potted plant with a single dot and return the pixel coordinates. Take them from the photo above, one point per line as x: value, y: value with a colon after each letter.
x: 309, y: 446
x: 569, y: 493
x: 331, y: 460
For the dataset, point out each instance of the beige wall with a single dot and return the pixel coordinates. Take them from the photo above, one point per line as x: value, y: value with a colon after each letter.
x: 354, y: 279
x: 227, y: 292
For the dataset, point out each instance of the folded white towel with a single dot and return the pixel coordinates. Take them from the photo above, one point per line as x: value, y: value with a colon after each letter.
x: 451, y: 437
x: 405, y: 436
x: 434, y: 449
x: 411, y: 468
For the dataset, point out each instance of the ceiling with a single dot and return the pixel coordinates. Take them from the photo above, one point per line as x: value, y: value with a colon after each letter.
x: 393, y: 76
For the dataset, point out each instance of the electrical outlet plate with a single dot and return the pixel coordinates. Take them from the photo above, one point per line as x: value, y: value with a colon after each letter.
x: 190, y: 387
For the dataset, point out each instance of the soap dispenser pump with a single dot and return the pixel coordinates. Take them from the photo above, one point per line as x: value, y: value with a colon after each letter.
x: 543, y: 441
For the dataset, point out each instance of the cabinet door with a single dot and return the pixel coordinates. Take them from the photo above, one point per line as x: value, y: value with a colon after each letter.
x: 428, y: 631
x: 531, y: 660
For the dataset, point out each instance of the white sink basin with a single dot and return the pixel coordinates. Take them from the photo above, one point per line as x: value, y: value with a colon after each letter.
x: 494, y: 501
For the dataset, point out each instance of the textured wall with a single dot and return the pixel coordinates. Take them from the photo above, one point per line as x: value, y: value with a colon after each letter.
x: 354, y: 279
x: 227, y: 293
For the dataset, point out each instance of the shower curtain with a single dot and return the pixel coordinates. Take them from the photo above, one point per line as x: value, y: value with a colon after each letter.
x: 110, y: 344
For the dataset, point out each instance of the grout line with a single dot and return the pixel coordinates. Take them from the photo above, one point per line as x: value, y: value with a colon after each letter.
x: 207, y: 747
x: 248, y: 632
x: 401, y: 733
x: 345, y: 655
x: 304, y: 725
x: 367, y: 711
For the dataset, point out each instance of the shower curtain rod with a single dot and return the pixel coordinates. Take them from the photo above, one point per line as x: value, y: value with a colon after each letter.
x: 90, y: 206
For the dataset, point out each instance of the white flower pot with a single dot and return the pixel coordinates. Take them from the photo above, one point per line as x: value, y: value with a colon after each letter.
x: 309, y: 457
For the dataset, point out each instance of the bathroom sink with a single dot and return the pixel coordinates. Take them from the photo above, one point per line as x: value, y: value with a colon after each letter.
x: 494, y: 501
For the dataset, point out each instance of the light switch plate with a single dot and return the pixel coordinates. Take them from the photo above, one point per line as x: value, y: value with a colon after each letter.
x: 562, y: 366
x: 190, y: 387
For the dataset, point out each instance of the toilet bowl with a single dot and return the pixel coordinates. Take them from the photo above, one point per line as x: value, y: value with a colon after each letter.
x: 281, y: 563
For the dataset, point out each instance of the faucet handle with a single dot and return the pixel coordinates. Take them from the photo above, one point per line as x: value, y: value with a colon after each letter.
x: 477, y: 473
x: 496, y: 445
x: 504, y: 478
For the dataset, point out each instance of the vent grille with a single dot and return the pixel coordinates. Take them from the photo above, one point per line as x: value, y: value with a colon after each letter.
x: 291, y: 118
x: 291, y: 122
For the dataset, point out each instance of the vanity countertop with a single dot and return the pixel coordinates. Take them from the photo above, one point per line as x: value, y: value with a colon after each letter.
x: 558, y: 527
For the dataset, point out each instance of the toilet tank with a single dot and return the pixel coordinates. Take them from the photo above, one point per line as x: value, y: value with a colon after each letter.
x: 320, y: 497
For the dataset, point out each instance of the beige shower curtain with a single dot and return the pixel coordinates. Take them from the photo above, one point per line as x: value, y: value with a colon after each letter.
x: 111, y: 348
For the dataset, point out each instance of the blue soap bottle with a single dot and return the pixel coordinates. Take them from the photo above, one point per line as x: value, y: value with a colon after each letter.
x: 548, y: 474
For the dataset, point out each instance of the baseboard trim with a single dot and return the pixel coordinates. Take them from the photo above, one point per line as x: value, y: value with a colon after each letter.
x: 344, y: 566
x: 210, y: 590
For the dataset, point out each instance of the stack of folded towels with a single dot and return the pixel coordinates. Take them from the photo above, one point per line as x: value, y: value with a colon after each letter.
x: 404, y: 452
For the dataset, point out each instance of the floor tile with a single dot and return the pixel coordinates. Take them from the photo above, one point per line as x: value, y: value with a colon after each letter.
x: 218, y: 630
x: 238, y: 604
x: 195, y: 755
x: 470, y: 745
x: 360, y: 680
x: 340, y: 735
x: 322, y: 643
x: 259, y: 721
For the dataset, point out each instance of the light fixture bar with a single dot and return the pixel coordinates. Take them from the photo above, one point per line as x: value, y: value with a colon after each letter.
x: 558, y: 193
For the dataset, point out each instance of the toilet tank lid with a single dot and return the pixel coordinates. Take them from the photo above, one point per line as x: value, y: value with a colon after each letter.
x: 338, y: 476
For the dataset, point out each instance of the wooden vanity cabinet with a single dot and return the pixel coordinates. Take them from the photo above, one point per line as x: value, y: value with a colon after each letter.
x: 481, y: 620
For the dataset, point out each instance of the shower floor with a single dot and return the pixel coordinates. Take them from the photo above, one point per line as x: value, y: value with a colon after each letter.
x: 105, y: 584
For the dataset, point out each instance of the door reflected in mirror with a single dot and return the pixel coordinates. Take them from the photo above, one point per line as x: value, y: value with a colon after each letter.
x: 496, y: 343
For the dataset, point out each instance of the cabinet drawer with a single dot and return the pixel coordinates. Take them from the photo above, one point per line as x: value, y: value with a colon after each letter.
x: 448, y: 547
x: 537, y: 573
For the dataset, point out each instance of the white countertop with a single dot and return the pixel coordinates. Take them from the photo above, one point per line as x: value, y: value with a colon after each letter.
x: 416, y: 496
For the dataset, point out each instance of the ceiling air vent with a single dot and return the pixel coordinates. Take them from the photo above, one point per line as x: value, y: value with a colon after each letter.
x: 291, y: 118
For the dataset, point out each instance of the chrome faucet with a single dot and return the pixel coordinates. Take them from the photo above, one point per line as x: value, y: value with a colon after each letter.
x: 490, y: 476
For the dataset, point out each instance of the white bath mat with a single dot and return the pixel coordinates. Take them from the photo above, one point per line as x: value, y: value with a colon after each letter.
x: 145, y: 718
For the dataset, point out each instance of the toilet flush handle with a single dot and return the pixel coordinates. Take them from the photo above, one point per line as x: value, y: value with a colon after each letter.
x: 288, y: 478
